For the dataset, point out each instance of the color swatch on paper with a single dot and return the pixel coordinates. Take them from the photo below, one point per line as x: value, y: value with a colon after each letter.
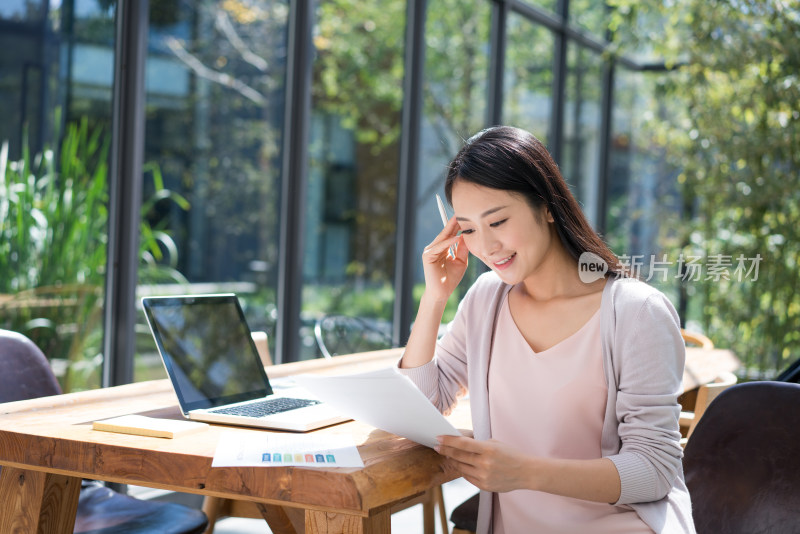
x: 258, y: 448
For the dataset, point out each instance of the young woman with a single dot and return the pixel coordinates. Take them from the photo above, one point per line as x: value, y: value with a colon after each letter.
x: 573, y: 384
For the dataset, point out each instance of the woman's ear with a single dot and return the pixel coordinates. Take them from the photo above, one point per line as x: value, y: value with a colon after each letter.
x: 548, y: 216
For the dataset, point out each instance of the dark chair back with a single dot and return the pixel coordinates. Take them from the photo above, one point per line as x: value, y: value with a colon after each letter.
x: 24, y: 371
x: 742, y: 464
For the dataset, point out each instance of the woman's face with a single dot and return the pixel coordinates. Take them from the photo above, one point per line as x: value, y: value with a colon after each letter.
x: 502, y: 230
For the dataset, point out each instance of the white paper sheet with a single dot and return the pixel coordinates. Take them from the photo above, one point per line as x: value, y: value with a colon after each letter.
x: 267, y: 449
x: 384, y: 399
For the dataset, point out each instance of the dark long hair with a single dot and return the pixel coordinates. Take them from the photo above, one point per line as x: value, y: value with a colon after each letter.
x: 511, y: 159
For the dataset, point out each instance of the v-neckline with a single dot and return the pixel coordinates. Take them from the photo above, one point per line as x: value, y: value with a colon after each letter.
x: 535, y: 352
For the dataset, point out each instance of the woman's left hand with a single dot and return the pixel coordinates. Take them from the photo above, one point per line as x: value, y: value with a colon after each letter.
x: 489, y: 465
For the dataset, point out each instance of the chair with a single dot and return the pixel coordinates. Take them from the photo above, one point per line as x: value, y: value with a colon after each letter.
x: 465, y: 516
x: 705, y: 394
x: 25, y: 374
x: 742, y: 465
x: 262, y: 346
x: 217, y: 507
x: 342, y: 334
x: 692, y: 400
x: 695, y: 338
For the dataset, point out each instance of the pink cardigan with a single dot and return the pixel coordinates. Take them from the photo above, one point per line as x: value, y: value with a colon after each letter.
x: 643, y: 358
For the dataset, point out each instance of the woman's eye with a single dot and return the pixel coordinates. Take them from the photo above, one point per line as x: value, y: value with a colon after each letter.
x: 498, y: 223
x: 466, y: 232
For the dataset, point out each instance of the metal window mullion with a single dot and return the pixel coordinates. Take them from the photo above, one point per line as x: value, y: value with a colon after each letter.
x: 125, y: 192
x: 294, y: 175
x: 606, y: 123
x: 498, y: 40
x: 406, y: 258
x: 556, y: 137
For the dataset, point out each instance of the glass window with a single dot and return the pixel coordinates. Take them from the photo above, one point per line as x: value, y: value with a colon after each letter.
x: 642, y: 190
x: 351, y: 200
x: 580, y: 160
x: 56, y: 73
x: 528, y: 80
x: 215, y: 79
x: 455, y: 99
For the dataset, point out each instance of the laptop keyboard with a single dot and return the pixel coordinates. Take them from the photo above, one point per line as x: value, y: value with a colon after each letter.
x: 266, y: 407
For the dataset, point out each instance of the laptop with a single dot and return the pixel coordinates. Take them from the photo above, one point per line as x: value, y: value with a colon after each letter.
x: 215, y: 369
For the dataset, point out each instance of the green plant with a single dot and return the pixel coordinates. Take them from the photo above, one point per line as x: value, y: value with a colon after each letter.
x: 53, y: 243
x: 157, y: 250
x: 53, y: 214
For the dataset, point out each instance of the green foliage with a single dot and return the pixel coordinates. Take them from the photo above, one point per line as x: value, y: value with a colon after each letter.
x: 53, y: 244
x: 157, y: 249
x: 734, y: 130
x: 52, y: 224
x: 456, y: 70
x: 359, y: 67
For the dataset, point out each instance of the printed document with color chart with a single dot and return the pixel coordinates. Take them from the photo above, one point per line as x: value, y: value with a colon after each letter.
x: 271, y: 449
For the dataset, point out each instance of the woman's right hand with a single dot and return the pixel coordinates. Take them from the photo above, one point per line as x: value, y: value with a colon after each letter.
x: 443, y: 272
x: 442, y: 275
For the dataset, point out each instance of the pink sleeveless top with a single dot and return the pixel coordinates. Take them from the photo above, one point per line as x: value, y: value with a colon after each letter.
x: 551, y: 404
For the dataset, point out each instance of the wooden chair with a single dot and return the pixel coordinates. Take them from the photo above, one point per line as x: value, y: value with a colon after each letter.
x: 216, y: 508
x: 705, y: 395
x: 262, y: 346
x: 742, y: 465
x: 688, y: 399
x: 25, y: 373
x: 699, y: 399
x: 695, y: 338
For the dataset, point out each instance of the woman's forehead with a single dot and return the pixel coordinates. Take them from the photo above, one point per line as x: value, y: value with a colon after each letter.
x: 473, y: 200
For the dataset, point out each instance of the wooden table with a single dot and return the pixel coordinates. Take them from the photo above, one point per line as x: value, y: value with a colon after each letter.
x: 47, y: 445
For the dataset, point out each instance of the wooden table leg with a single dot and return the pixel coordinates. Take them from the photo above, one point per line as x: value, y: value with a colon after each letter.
x: 318, y: 522
x: 36, y: 502
x: 281, y: 520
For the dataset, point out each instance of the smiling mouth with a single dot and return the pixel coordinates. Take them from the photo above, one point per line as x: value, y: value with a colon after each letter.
x: 508, y: 259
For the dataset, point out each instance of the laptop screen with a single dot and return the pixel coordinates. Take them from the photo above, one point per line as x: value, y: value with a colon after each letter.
x: 207, y: 350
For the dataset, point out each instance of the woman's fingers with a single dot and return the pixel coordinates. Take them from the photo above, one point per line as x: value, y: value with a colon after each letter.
x: 446, y: 239
x: 439, y: 246
x: 463, y: 449
x: 490, y: 465
x: 450, y: 230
